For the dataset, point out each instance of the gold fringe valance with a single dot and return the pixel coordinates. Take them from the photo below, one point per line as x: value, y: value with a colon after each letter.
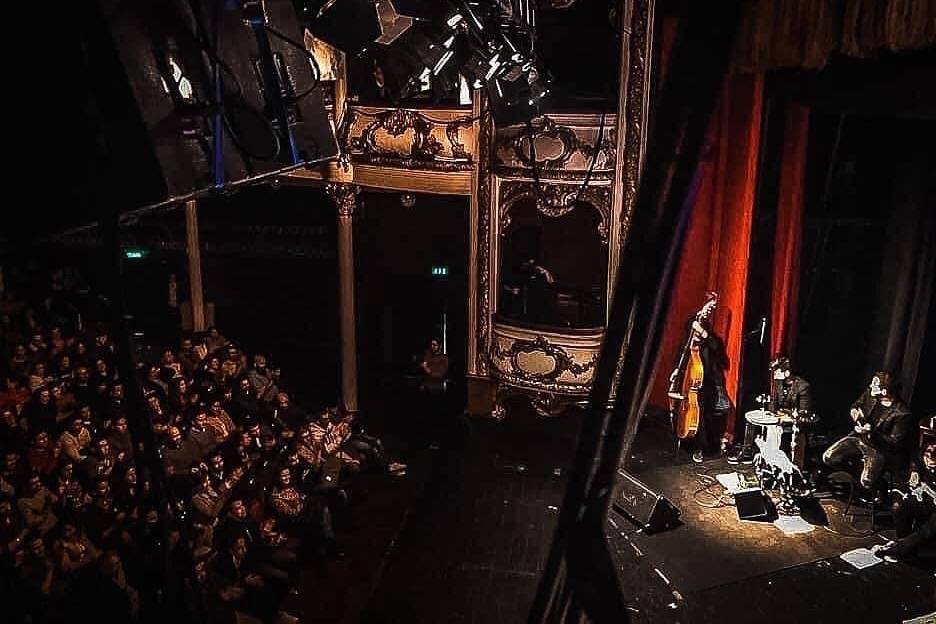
x: 804, y: 33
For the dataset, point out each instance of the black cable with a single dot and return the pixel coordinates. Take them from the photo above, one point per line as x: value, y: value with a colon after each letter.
x: 537, y: 188
x: 594, y: 160
x: 309, y: 55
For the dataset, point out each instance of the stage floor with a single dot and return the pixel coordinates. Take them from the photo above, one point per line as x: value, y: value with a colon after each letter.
x: 715, y: 566
x: 464, y: 536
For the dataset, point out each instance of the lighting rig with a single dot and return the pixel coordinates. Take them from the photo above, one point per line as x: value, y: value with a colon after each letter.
x: 492, y: 43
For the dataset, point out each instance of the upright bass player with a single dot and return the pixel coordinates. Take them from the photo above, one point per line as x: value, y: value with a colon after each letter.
x: 698, y: 400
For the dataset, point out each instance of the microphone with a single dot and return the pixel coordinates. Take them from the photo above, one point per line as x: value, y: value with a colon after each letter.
x: 763, y: 327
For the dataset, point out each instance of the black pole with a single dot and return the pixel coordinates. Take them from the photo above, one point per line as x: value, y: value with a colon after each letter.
x: 575, y: 584
x: 146, y: 455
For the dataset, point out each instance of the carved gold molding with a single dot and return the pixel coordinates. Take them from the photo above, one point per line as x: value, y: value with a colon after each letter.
x: 555, y: 200
x: 636, y: 109
x: 544, y: 361
x: 405, y: 138
x: 344, y: 196
x: 565, y: 147
x: 484, y: 235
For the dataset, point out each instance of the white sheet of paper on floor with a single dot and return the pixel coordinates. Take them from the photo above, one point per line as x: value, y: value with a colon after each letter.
x: 861, y: 558
x: 929, y: 618
x: 731, y: 481
x: 793, y: 525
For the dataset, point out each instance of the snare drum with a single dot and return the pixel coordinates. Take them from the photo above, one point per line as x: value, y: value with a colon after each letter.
x: 762, y: 418
x: 762, y: 421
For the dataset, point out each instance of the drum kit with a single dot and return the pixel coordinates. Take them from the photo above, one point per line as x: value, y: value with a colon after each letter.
x: 774, y: 463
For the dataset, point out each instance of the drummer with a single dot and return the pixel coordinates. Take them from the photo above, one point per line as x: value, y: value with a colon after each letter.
x: 790, y: 399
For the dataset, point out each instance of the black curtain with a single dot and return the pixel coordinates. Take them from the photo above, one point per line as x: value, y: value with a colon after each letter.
x: 903, y: 312
x: 869, y: 261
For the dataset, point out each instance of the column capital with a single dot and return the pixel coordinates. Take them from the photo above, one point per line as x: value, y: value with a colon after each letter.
x: 345, y: 197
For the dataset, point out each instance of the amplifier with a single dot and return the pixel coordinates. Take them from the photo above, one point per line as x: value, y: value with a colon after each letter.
x: 638, y: 503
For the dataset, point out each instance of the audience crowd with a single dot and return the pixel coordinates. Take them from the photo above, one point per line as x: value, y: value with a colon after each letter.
x: 216, y: 529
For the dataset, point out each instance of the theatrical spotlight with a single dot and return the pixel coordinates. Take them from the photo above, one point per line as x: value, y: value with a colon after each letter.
x: 356, y: 25
x: 416, y: 43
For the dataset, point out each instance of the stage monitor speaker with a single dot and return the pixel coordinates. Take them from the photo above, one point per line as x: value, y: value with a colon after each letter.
x: 647, y: 509
x: 751, y: 504
x: 171, y: 127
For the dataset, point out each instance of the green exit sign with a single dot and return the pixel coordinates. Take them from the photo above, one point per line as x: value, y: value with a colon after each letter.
x: 134, y: 254
x: 440, y: 271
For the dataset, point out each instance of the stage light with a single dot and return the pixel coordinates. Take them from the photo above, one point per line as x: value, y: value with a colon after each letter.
x: 416, y: 42
x: 349, y: 25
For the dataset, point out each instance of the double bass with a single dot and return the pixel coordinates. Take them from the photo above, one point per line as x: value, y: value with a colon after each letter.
x: 685, y: 388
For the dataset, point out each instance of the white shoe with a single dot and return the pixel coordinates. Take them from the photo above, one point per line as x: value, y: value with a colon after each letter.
x: 698, y: 457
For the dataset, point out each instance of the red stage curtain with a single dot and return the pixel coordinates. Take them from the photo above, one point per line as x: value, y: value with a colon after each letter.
x: 786, y: 268
x: 716, y: 251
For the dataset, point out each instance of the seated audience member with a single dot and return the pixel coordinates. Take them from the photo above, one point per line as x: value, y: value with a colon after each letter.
x: 14, y: 396
x: 121, y: 600
x: 262, y: 379
x: 882, y: 425
x: 179, y: 455
x: 287, y: 415
x: 237, y: 522
x: 39, y: 412
x: 36, y: 507
x: 187, y: 358
x: 12, y: 433
x: 42, y: 456
x: 215, y: 339
x: 13, y: 475
x: 37, y: 571
x: 275, y: 556
x: 75, y: 441
x: 101, y: 462
x: 219, y: 421
x: 239, y: 585
x: 12, y: 528
x: 203, y: 438
x: 103, y: 523
x: 154, y: 384
x: 118, y: 436
x: 64, y: 404
x: 73, y: 551
x: 38, y: 377
x: 434, y: 365
x: 158, y: 417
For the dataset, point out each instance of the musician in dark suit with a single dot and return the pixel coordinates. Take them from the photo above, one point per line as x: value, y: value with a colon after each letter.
x: 713, y: 396
x: 789, y: 394
x: 915, y: 509
x: 882, y: 427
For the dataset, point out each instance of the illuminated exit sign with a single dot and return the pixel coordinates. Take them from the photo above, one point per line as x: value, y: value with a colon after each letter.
x: 134, y: 254
x: 440, y: 271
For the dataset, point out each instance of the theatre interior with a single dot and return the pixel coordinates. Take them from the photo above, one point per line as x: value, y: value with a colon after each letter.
x: 463, y: 311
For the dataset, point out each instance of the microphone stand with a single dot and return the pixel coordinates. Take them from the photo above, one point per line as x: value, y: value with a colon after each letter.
x: 760, y: 331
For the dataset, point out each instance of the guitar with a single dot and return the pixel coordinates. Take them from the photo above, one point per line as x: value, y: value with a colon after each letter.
x: 918, y: 488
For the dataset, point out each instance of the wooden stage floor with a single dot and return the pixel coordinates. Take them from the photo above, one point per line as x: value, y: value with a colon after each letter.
x: 464, y: 536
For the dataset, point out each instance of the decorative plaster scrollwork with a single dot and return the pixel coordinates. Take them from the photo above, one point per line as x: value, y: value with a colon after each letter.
x: 555, y: 200
x: 543, y: 350
x: 407, y: 139
x: 556, y: 146
x: 344, y: 196
x: 635, y: 114
x: 485, y: 208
